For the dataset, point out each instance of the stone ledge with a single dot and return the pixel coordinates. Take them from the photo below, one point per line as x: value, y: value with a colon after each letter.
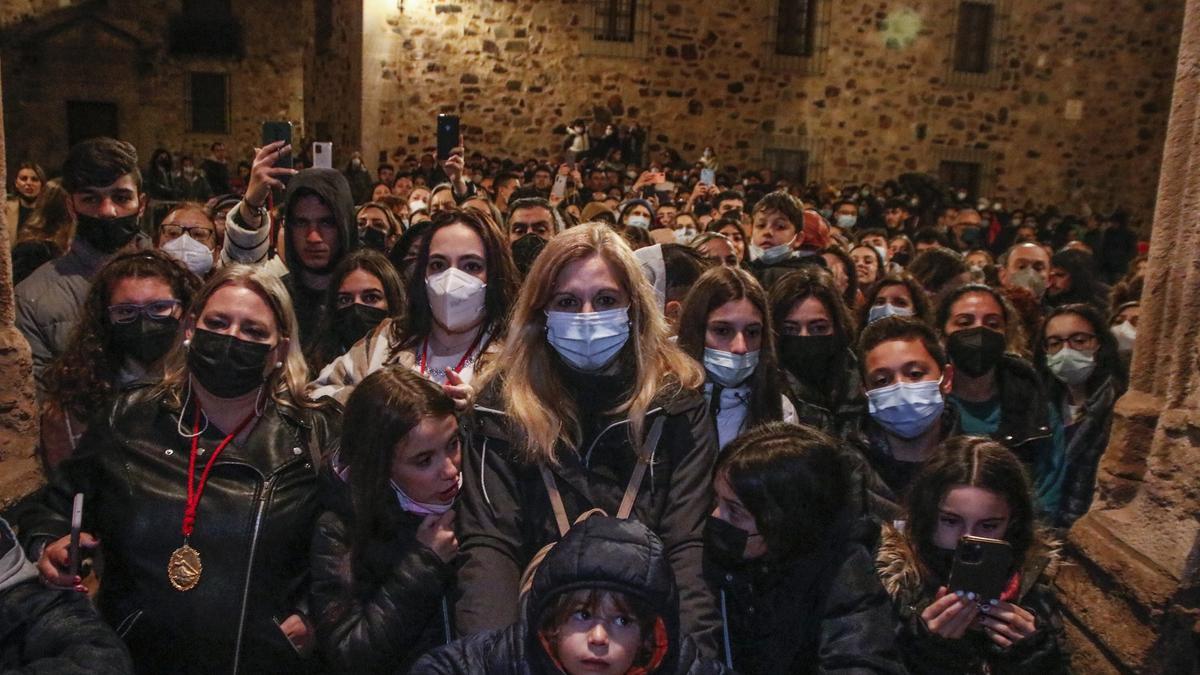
x: 21, y: 477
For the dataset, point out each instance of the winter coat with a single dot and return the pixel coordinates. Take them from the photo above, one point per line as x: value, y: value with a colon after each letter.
x: 837, y: 415
x: 1082, y: 457
x: 253, y: 529
x: 380, y: 348
x: 50, y: 301
x: 505, y: 515
x: 824, y: 612
x: 924, y: 652
x: 600, y: 552
x: 392, y: 609
x: 50, y: 631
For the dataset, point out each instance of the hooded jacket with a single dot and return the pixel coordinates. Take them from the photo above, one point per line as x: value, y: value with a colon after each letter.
x: 823, y: 612
x: 622, y: 556
x: 505, y: 515
x: 50, y: 631
x: 925, y: 652
x: 331, y: 187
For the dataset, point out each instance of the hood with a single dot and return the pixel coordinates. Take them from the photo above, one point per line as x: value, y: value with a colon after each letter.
x: 617, y: 555
x: 331, y: 187
x: 15, y: 568
x: 896, y: 563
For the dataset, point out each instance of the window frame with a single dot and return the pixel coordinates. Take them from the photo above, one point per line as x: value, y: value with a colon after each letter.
x: 190, y: 103
x: 818, y: 25
x: 597, y: 12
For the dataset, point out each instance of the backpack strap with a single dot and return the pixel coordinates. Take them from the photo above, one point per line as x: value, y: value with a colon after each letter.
x: 556, y: 502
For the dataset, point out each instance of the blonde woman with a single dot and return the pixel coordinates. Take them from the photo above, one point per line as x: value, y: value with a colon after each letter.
x: 201, y: 491
x: 590, y: 405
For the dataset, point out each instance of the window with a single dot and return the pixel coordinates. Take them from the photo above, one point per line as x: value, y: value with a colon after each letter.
x: 89, y: 119
x: 615, y: 20
x: 973, y: 39
x: 789, y: 164
x: 796, y: 27
x: 960, y: 175
x: 208, y: 102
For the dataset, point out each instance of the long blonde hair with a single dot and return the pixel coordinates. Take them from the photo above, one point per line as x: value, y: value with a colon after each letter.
x: 534, y: 396
x: 286, y: 384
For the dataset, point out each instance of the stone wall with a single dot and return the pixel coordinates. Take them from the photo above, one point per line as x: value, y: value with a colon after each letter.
x: 333, y: 78
x: 885, y: 101
x: 117, y: 52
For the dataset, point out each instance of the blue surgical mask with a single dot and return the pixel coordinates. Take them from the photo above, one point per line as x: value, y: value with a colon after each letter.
x: 775, y: 254
x: 1071, y: 366
x: 728, y: 369
x: 907, y: 409
x: 638, y: 221
x: 883, y: 311
x: 588, y: 340
x: 846, y: 221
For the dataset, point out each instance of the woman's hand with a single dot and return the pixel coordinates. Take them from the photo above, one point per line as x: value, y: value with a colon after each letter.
x: 298, y: 632
x: 54, y: 565
x: 460, y: 391
x: 949, y: 616
x: 264, y: 176
x: 437, y: 533
x: 455, y: 167
x: 1006, y: 623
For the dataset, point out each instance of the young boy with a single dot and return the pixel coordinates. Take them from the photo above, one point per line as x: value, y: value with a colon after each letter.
x: 602, y: 601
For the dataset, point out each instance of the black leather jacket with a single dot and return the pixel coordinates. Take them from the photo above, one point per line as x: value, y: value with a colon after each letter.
x: 253, y: 529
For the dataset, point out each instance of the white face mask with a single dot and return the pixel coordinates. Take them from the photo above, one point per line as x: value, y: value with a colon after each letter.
x: 775, y: 254
x: 195, y: 256
x: 846, y: 221
x: 588, y: 340
x: 728, y: 369
x: 685, y: 235
x: 1126, y: 334
x: 1071, y: 366
x: 638, y: 220
x: 417, y: 205
x: 422, y: 508
x: 456, y: 298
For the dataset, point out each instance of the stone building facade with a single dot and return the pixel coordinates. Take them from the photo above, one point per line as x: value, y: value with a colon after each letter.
x: 1071, y: 111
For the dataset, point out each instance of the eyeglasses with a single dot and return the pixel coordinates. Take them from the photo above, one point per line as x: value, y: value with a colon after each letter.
x: 157, y: 309
x: 1078, y: 341
x: 201, y: 234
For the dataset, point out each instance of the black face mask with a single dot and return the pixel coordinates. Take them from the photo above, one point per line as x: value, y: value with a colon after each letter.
x: 373, y: 239
x: 975, y: 351
x: 808, y: 356
x: 106, y: 234
x: 900, y: 258
x: 224, y: 365
x: 725, y: 543
x: 352, y: 322
x: 526, y: 250
x: 145, y: 339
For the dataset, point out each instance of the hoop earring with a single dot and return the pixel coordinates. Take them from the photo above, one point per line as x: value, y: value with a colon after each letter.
x: 179, y: 423
x: 259, y: 403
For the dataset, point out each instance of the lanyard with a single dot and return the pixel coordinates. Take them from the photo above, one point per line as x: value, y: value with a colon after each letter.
x: 194, y: 491
x: 462, y: 362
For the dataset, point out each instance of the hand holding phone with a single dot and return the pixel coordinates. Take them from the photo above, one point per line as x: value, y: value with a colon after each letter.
x: 708, y: 177
x: 981, y: 568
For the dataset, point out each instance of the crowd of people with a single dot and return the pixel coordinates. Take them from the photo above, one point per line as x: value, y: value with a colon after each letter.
x: 626, y: 414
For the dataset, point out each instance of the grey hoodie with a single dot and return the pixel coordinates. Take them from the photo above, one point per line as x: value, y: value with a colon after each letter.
x: 15, y: 568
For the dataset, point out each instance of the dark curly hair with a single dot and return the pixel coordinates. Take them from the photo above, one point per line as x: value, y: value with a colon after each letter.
x: 81, y: 380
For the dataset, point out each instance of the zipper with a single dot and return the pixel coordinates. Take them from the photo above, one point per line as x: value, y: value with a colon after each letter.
x: 258, y: 516
x: 587, y: 461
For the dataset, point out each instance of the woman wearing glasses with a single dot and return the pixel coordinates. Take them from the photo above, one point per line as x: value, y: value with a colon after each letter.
x: 188, y: 235
x: 129, y: 321
x: 996, y: 392
x: 1079, y: 360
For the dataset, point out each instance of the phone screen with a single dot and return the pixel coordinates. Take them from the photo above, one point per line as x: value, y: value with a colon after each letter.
x: 708, y: 176
x: 448, y: 135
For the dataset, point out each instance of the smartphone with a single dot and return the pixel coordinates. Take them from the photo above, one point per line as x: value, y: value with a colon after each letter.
x: 76, y: 525
x: 279, y: 131
x: 708, y: 176
x: 648, y: 192
x: 322, y: 155
x: 560, y: 187
x: 448, y: 135
x: 981, y: 566
x: 665, y: 186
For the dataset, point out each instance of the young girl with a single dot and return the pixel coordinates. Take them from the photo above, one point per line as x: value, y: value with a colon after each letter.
x: 381, y: 553
x: 895, y: 294
x: 788, y: 550
x: 725, y: 325
x: 364, y: 289
x: 602, y: 602
x: 458, y: 299
x: 972, y: 486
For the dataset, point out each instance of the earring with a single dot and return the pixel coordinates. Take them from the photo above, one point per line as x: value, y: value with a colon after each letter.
x: 278, y: 364
x: 187, y: 342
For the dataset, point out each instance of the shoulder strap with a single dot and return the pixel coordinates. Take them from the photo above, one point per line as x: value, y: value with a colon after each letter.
x: 556, y: 502
x: 639, y: 470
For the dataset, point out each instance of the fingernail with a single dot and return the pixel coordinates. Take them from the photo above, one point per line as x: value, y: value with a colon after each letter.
x: 958, y: 593
x: 993, y: 602
x: 971, y: 596
x: 984, y: 608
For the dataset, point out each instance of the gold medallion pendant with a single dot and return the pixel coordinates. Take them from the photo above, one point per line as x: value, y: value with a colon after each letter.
x: 183, y: 570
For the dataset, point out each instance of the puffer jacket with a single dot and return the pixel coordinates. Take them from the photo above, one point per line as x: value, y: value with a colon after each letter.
x: 505, y: 515
x: 598, y: 553
x: 824, y: 612
x: 389, y: 611
x: 924, y: 652
x: 50, y: 631
x: 253, y: 529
